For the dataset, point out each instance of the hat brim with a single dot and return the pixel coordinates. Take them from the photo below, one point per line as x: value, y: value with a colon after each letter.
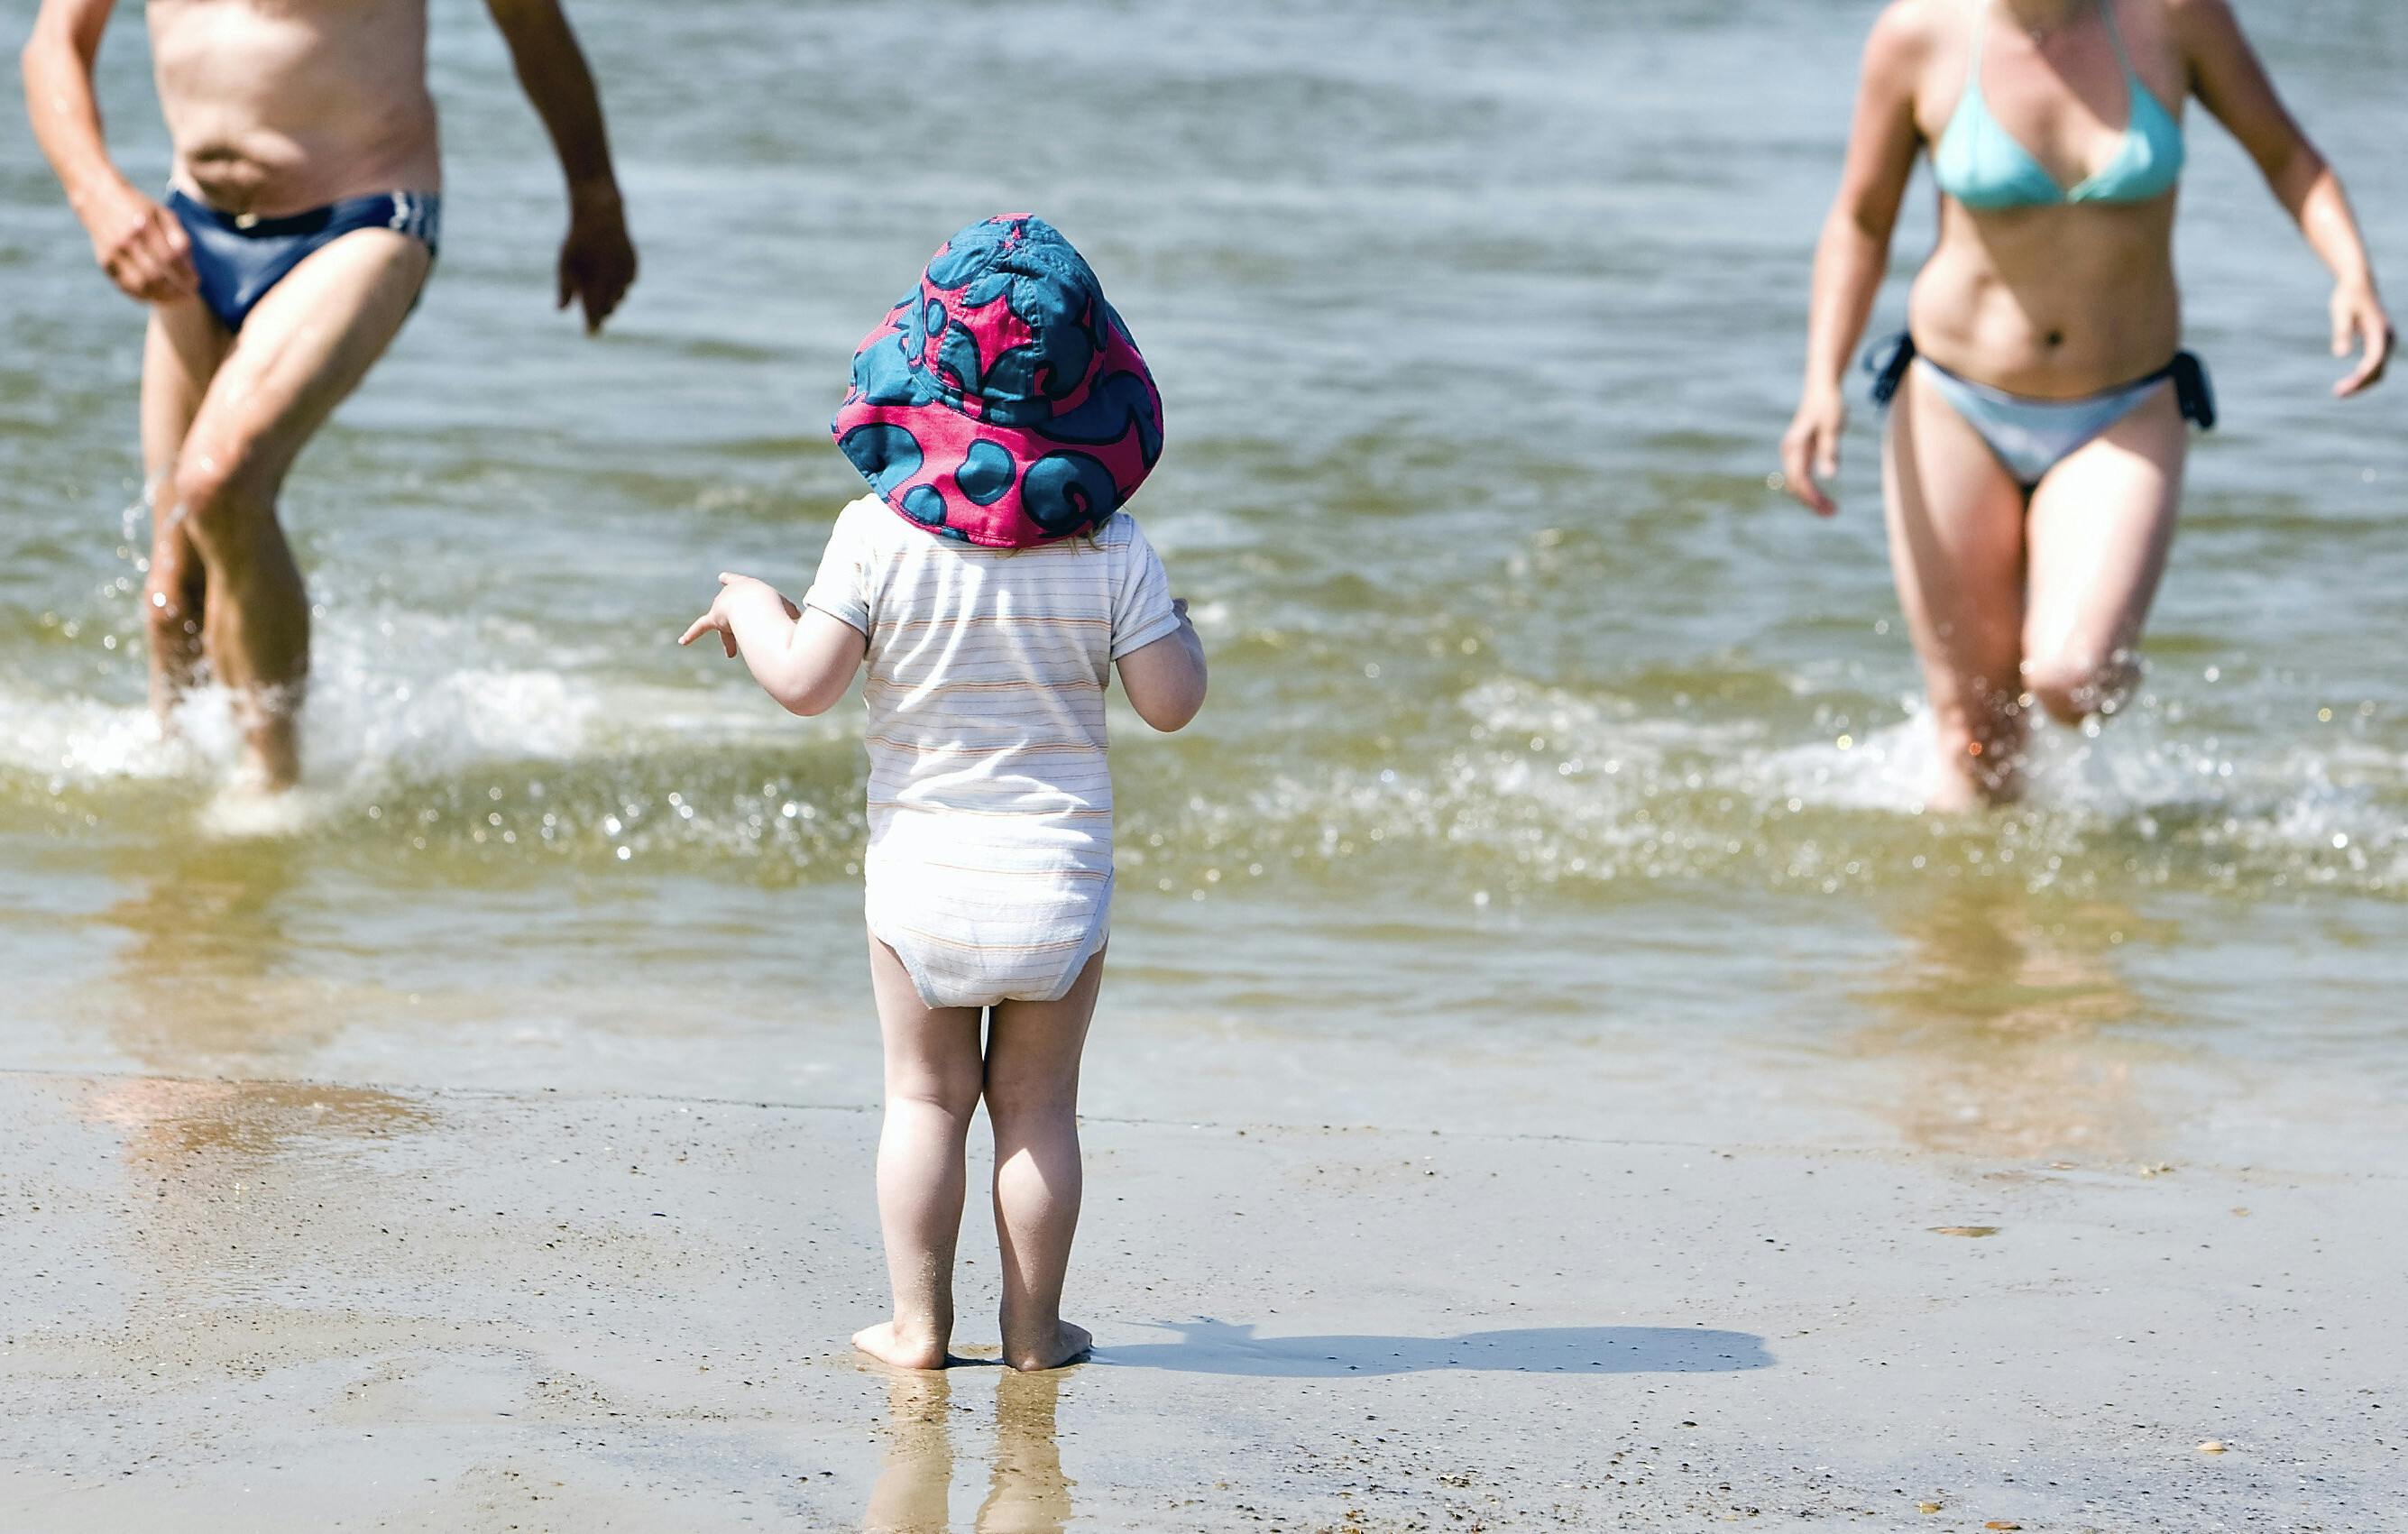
x: 926, y: 425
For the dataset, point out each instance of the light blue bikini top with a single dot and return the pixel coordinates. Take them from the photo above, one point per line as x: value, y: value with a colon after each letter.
x: 1982, y: 165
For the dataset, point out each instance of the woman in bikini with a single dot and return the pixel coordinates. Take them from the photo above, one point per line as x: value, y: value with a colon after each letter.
x: 2034, y: 457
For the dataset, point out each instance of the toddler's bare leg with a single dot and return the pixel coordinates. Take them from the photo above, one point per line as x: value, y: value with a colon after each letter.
x: 1032, y: 1099
x: 932, y: 1088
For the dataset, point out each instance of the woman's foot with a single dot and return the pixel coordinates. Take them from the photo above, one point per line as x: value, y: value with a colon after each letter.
x: 1068, y: 1345
x: 889, y: 1346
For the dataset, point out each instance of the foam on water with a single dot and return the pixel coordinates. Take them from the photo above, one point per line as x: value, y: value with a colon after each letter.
x: 66, y: 740
x: 1561, y: 788
x: 2137, y: 768
x: 414, y: 730
x: 377, y: 711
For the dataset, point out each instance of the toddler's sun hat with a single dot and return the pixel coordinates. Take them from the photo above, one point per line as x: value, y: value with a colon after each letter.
x: 1002, y: 401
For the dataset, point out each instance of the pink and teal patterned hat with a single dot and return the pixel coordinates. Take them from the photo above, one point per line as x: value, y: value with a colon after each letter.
x: 1002, y: 401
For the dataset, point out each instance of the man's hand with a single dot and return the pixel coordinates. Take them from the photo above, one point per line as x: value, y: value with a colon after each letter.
x: 140, y: 244
x: 136, y: 242
x: 597, y: 261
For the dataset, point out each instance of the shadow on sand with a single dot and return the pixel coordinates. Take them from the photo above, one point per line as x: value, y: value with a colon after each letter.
x: 1220, y: 1347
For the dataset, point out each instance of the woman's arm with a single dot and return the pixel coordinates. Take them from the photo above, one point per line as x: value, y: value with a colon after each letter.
x: 1164, y: 681
x: 1854, y: 250
x: 801, y: 657
x: 2228, y: 80
x: 140, y: 244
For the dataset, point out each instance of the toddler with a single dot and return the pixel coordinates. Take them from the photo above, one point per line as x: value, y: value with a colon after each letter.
x: 1003, y: 416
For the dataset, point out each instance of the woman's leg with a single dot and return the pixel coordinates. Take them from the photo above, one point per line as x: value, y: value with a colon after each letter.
x: 2101, y: 524
x: 1032, y: 1099
x: 932, y: 1089
x: 1957, y: 548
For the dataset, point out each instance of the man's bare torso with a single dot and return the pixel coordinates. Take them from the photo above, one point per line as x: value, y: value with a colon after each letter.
x: 281, y: 106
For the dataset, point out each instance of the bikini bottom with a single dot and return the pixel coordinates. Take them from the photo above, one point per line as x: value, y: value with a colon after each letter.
x: 2028, y: 436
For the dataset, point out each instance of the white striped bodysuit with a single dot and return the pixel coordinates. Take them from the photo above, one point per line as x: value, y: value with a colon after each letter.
x: 990, y: 862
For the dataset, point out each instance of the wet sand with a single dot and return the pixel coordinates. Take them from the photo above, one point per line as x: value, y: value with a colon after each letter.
x: 281, y: 1306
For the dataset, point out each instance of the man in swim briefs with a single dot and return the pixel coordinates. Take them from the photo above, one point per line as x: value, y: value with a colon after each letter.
x: 300, y: 222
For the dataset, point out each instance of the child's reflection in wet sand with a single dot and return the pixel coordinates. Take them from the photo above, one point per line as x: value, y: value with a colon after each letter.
x: 1026, y: 1491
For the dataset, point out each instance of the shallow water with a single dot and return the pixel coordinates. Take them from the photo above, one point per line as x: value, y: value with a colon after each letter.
x: 1540, y: 724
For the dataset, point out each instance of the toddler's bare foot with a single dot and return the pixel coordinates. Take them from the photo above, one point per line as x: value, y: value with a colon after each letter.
x: 886, y: 1344
x: 1068, y: 1345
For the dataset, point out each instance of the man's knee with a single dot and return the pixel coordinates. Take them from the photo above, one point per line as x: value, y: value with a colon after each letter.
x: 171, y: 609
x: 215, y: 493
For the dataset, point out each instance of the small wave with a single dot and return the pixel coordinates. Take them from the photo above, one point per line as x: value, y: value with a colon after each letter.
x: 389, y: 702
x: 408, y: 739
x: 79, y: 740
x: 240, y: 814
x: 1564, y: 791
x: 1515, y: 788
x: 2140, y: 769
x: 350, y: 732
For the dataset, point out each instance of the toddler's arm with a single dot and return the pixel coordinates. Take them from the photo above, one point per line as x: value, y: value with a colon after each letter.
x: 801, y: 657
x: 1165, y: 680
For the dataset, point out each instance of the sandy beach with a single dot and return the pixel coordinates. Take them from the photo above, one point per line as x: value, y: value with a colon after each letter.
x: 288, y: 1305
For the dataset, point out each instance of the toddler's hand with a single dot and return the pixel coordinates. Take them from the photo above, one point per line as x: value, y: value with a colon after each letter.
x: 734, y: 590
x: 714, y: 619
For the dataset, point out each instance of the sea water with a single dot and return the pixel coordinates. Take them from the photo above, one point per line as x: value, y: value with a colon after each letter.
x: 1543, y: 730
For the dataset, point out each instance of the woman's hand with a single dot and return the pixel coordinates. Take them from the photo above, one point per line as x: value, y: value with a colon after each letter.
x: 733, y: 592
x: 2358, y: 321
x: 1810, y: 452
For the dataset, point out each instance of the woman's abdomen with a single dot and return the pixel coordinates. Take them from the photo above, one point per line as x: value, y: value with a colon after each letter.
x: 2054, y: 303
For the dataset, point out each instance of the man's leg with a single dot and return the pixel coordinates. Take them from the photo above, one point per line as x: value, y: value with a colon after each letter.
x: 306, y: 346
x: 180, y: 356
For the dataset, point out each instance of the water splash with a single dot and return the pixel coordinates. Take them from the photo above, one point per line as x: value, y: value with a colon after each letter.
x: 1517, y: 790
